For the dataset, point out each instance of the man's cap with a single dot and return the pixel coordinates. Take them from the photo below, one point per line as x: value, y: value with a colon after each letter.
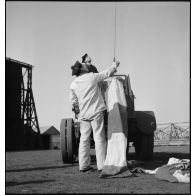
x: 83, y: 57
x: 76, y: 68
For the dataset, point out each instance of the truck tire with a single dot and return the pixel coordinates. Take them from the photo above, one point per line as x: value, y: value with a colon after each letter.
x: 67, y: 137
x: 144, y: 145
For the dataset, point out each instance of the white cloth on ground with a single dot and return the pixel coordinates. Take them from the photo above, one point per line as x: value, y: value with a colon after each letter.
x: 180, y: 177
x: 164, y: 172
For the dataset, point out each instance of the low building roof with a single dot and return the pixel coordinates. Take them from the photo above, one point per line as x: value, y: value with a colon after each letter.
x: 49, y: 130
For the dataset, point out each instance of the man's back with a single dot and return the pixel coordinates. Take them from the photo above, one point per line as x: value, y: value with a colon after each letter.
x: 89, y: 95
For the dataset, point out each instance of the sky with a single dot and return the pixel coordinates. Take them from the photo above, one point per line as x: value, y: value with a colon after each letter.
x: 152, y: 45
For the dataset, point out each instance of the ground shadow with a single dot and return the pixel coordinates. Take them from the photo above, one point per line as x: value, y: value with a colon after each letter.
x: 163, y: 155
x: 122, y: 177
x: 40, y: 168
x: 27, y: 182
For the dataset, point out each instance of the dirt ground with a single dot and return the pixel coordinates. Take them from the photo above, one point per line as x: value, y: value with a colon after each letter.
x: 32, y: 172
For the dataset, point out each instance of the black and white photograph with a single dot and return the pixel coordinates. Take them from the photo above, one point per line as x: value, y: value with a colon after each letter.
x: 97, y: 97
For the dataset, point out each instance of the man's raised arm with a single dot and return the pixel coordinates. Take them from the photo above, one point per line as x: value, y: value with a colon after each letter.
x: 108, y: 72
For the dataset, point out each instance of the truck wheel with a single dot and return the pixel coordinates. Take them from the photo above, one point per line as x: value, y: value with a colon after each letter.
x: 144, y: 145
x: 67, y: 137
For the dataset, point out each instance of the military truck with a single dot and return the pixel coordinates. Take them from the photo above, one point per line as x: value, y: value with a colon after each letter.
x: 141, y: 127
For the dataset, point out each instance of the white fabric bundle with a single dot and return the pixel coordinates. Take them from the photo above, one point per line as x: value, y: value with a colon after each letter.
x: 116, y: 162
x: 179, y: 165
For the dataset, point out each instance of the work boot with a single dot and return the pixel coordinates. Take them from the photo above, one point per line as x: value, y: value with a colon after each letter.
x: 89, y: 169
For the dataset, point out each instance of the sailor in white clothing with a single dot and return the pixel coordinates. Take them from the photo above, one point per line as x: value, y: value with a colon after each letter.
x: 86, y: 98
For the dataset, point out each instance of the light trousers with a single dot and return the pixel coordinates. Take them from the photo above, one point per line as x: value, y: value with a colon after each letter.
x: 98, y: 127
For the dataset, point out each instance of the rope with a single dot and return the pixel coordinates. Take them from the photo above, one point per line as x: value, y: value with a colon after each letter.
x: 115, y: 34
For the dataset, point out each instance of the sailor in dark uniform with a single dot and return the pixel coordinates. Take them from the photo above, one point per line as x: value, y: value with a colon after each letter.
x: 87, y: 60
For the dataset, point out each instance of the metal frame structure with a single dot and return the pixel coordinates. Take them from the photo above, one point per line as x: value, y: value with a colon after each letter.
x: 172, y: 131
x: 28, y: 109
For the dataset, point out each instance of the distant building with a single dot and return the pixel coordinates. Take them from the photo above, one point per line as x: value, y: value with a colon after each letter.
x: 50, y: 137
